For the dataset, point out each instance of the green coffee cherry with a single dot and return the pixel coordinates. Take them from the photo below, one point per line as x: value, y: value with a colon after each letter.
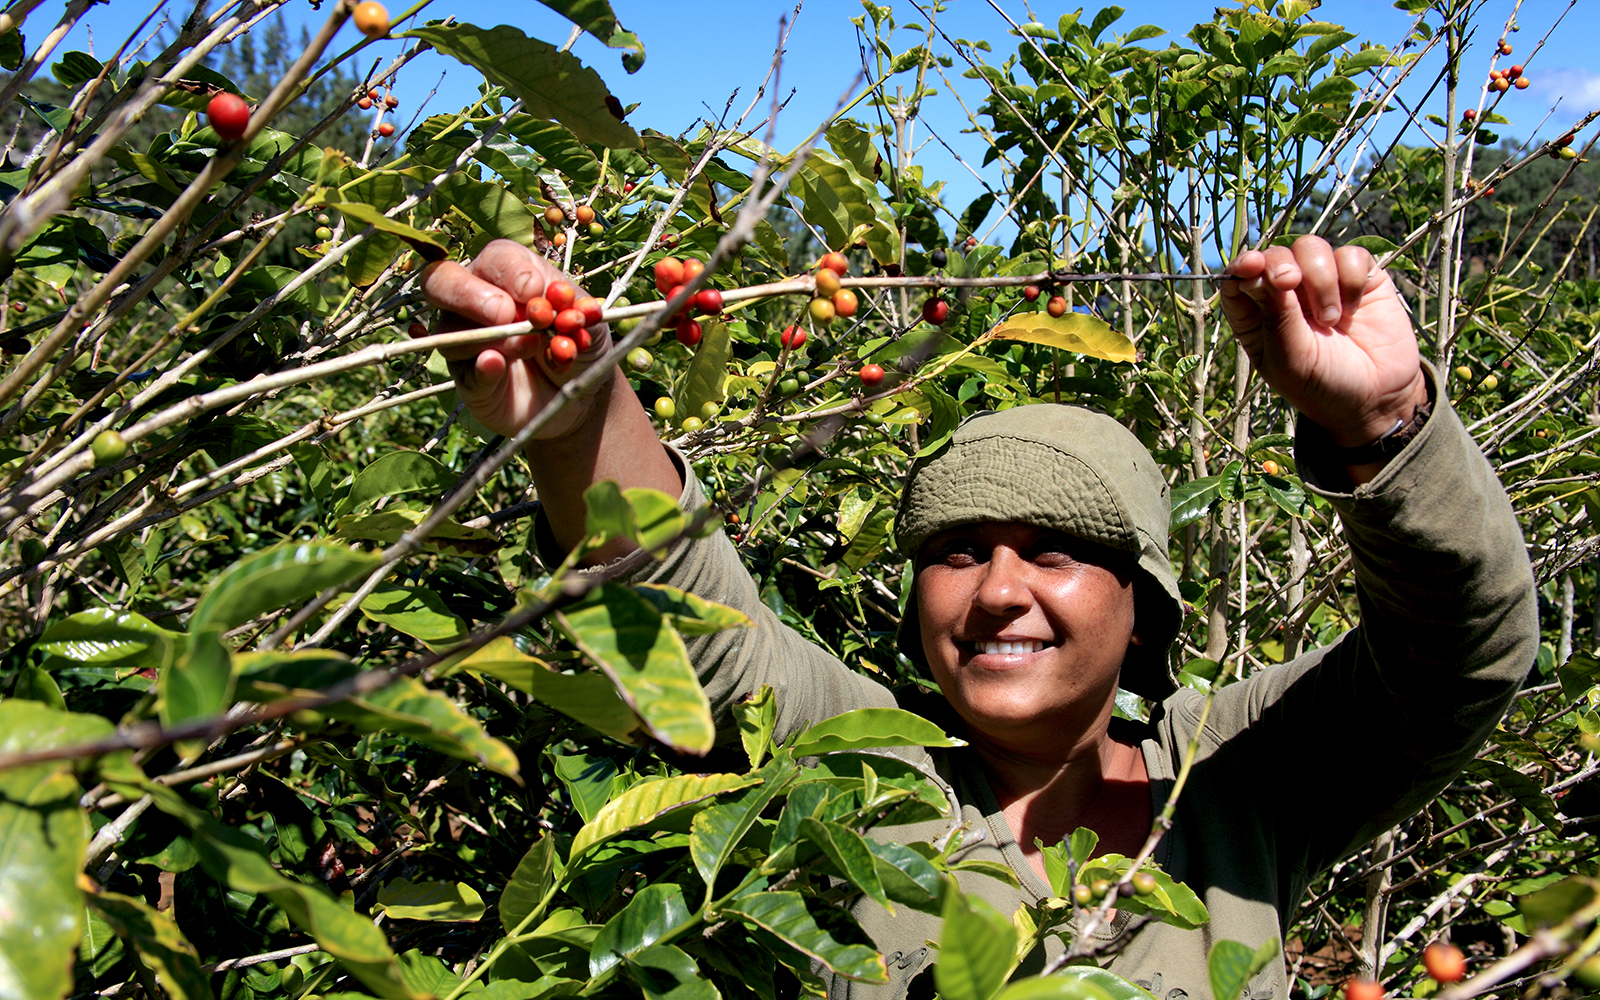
x: 692, y: 424
x: 640, y: 359
x: 108, y: 447
x: 665, y: 407
x: 709, y: 410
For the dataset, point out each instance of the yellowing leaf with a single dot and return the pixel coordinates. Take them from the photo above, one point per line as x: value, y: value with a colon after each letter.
x: 445, y: 901
x: 649, y: 800
x: 1076, y: 332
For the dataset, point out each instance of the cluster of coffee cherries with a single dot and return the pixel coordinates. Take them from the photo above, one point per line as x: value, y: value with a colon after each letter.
x: 562, y: 309
x: 671, y: 275
x: 583, y: 215
x: 389, y: 102
x: 1564, y: 150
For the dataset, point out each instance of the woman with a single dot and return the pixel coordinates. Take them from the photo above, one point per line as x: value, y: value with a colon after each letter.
x: 1042, y: 581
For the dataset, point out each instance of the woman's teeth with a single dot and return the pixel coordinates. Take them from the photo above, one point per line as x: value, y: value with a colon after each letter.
x: 1025, y: 646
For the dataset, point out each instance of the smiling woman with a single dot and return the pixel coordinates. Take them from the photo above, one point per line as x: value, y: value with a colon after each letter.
x: 1043, y: 583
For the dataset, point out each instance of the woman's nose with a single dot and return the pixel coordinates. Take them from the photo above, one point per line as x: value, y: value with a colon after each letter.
x: 1004, y: 590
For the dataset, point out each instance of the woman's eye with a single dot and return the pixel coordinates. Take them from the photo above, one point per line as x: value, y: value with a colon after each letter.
x: 959, y: 552
x: 1053, y: 552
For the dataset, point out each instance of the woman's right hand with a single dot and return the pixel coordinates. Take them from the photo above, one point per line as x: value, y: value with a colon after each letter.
x: 505, y: 383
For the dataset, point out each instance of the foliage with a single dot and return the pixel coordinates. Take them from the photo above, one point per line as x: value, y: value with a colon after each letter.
x: 516, y: 769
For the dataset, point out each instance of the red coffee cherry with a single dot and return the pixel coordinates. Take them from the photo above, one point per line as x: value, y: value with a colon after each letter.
x: 591, y: 309
x: 541, y: 313
x: 708, y: 301
x: 562, y: 350
x: 871, y: 375
x: 568, y: 322
x: 229, y: 115
x: 561, y: 294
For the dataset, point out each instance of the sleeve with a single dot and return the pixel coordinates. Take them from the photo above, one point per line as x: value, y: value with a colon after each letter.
x: 1380, y: 721
x: 809, y: 683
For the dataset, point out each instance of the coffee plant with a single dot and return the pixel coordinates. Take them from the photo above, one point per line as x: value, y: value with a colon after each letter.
x: 292, y: 707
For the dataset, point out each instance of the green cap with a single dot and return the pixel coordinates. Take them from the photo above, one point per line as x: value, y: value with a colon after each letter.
x: 1070, y: 469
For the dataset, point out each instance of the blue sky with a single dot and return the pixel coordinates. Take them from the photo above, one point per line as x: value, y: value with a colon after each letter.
x: 699, y: 52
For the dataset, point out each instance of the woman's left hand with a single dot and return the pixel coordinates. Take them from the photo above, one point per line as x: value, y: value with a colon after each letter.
x: 1327, y: 330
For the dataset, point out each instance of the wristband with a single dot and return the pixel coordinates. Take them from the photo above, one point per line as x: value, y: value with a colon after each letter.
x: 1389, y: 444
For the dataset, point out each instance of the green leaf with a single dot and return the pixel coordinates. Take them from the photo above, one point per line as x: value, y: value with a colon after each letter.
x: 1075, y: 331
x: 417, y: 612
x: 689, y: 613
x: 1563, y: 901
x: 232, y: 858
x: 757, y: 715
x: 543, y: 988
x: 1577, y: 675
x: 426, y: 974
x: 551, y: 83
x: 1287, y: 494
x: 386, y: 526
x: 786, y: 915
x: 12, y: 50
x: 650, y: 518
x: 870, y: 541
x: 492, y: 207
x: 708, y: 369
x: 664, y: 972
x: 394, y: 474
x: 716, y: 831
x: 110, y: 638
x: 1509, y: 781
x: 1192, y: 500
x: 871, y: 727
x: 647, y: 660
x: 558, y: 147
x: 1231, y: 965
x: 907, y: 876
x: 588, y: 780
x: 597, y: 18
x: 44, y: 836
x: 446, y: 901
x: 274, y: 577
x: 366, y: 215
x: 849, y: 854
x: 1075, y: 982
x: 1171, y: 901
x: 653, y: 913
x: 976, y: 949
x: 199, y: 684
x: 946, y: 418
x: 845, y: 206
x: 529, y: 883
x: 648, y: 801
x: 590, y: 698
x: 408, y: 708
x: 161, y: 946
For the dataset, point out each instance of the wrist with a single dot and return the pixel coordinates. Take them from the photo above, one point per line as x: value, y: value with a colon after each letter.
x: 1387, y: 418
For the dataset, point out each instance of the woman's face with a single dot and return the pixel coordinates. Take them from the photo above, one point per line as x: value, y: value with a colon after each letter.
x: 1025, y: 629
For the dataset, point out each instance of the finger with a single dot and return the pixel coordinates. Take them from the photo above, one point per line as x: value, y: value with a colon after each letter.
x: 1247, y: 265
x: 1319, y: 284
x: 454, y: 289
x: 1356, y: 271
x: 514, y: 268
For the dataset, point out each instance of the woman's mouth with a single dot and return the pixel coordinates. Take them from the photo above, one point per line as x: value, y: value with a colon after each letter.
x: 1007, y: 647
